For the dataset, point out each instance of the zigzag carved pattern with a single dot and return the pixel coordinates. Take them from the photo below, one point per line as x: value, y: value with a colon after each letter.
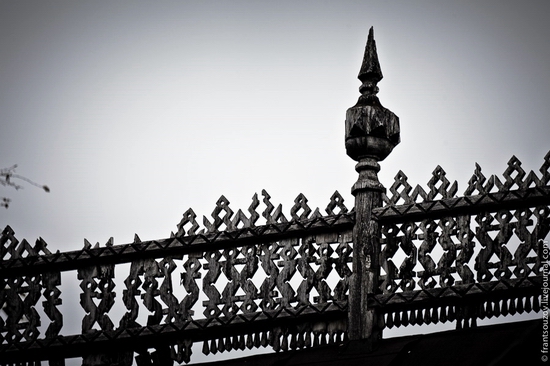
x: 225, y: 219
x: 294, y: 272
x: 514, y: 177
x: 11, y: 248
x: 123, y: 253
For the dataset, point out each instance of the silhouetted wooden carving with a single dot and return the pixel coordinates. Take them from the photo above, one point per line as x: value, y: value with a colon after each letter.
x: 290, y: 279
x: 97, y: 282
x: 489, y: 248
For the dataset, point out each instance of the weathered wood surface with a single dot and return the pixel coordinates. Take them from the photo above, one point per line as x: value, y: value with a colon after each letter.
x: 479, y: 257
x: 21, y: 257
x: 294, y: 258
x: 413, y: 257
x: 372, y: 132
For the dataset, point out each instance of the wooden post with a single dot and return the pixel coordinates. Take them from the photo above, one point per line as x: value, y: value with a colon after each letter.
x: 372, y: 131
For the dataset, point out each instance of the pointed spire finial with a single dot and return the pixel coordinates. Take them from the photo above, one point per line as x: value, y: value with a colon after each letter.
x: 370, y: 73
x: 370, y: 69
x: 372, y: 131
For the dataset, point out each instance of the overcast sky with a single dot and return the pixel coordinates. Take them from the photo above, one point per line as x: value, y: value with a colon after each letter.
x: 133, y: 112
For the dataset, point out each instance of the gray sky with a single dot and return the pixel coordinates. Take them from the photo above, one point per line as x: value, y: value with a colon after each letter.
x: 133, y: 112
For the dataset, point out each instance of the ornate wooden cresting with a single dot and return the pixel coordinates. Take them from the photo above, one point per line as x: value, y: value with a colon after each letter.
x: 289, y: 281
x: 293, y: 304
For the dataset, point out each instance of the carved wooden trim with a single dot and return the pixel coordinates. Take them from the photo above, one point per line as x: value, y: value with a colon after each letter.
x: 464, y: 304
x: 514, y: 178
x: 286, y: 283
x: 125, y: 253
x: 281, y: 330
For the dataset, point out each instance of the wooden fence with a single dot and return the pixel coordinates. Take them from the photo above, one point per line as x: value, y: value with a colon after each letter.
x: 480, y: 255
x: 414, y: 256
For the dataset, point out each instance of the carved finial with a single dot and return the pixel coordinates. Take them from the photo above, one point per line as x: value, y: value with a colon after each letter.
x: 370, y: 73
x: 372, y: 131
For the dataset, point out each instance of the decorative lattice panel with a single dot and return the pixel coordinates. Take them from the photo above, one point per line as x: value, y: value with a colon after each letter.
x: 231, y: 274
x: 440, y: 250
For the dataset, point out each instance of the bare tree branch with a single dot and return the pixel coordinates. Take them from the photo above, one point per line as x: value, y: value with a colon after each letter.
x: 6, y: 176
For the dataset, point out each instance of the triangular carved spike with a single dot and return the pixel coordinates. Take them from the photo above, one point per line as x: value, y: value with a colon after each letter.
x: 427, y: 318
x: 514, y: 174
x: 496, y: 309
x: 209, y: 227
x: 257, y: 343
x: 451, y: 313
x: 278, y: 216
x: 452, y: 191
x: 205, y: 348
x: 188, y: 351
x: 489, y: 309
x: 300, y: 204
x: 531, y: 181
x: 536, y: 304
x: 87, y: 244
x: 8, y: 231
x: 385, y: 199
x: 249, y: 341
x: 545, y: 170
x: 418, y: 192
x: 498, y: 184
x: 299, y: 340
x: 528, y: 306
x: 482, y: 312
x: 136, y: 239
x: 110, y: 242
x: 222, y: 205
x: 520, y: 309
x: 239, y: 218
x: 264, y: 341
x: 242, y: 342
x: 8, y: 242
x: 189, y: 217
x: 504, y: 308
x: 370, y: 68
x: 307, y: 339
x: 476, y: 182
x: 316, y: 214
x: 512, y: 307
x: 443, y: 314
x: 435, y: 316
x: 269, y: 207
x: 254, y: 216
x: 276, y: 343
x: 41, y: 246
x: 490, y: 184
x: 439, y: 177
x: 400, y: 189
x: 228, y: 344
x: 412, y: 319
x: 336, y: 201
x: 405, y: 318
x: 213, y: 347
x: 389, y: 321
x: 21, y: 249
